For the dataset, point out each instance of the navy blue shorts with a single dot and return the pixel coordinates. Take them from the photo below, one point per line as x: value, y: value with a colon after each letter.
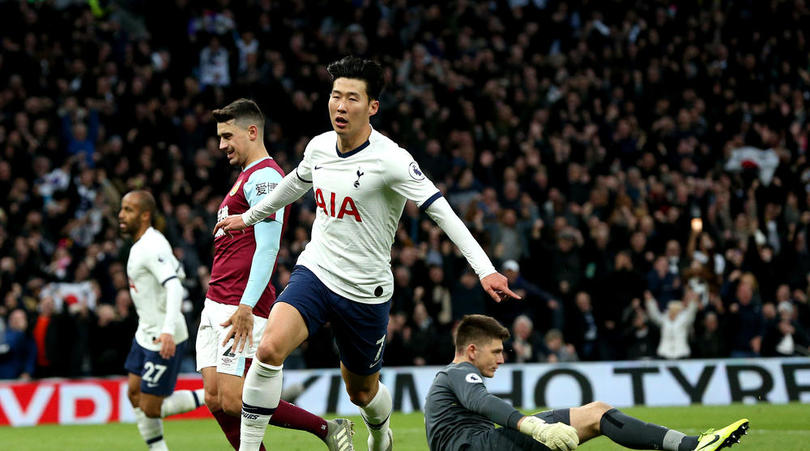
x: 359, y: 328
x: 158, y: 375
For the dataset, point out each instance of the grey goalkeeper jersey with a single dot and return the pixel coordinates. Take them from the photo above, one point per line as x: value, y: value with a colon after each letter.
x: 459, y: 405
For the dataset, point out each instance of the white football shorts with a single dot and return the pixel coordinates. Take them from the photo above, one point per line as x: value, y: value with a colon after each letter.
x: 211, y: 351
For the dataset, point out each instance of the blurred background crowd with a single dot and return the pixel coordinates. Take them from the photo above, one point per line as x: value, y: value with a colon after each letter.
x: 637, y: 169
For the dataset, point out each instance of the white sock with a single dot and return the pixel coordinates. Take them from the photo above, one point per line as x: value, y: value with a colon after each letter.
x: 151, y: 430
x: 182, y: 401
x: 260, y: 396
x: 377, y: 416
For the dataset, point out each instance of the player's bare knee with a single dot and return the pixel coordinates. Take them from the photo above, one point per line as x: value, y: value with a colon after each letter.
x: 212, y: 401
x: 133, y: 395
x: 599, y: 407
x: 151, y: 410
x: 269, y: 354
x: 232, y: 407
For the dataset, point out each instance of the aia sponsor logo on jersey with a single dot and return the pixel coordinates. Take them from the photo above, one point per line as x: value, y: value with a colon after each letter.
x: 236, y: 186
x: 347, y: 206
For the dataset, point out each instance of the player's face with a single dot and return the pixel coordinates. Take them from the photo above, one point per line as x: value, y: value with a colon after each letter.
x: 129, y: 218
x: 233, y: 140
x: 350, y: 106
x: 489, y: 357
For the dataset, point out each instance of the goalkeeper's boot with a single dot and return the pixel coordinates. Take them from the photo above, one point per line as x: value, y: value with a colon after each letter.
x: 723, y: 438
x: 339, y: 435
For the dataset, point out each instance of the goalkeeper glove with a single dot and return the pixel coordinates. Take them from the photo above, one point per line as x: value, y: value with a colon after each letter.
x: 556, y: 436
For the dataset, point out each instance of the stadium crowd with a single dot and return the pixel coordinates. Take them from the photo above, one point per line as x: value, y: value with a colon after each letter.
x: 638, y: 169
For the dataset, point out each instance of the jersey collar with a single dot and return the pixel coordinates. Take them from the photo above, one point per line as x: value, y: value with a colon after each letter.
x: 356, y: 149
x: 255, y: 163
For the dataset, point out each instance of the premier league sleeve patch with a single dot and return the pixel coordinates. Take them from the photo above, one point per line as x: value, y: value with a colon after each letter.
x: 415, y: 172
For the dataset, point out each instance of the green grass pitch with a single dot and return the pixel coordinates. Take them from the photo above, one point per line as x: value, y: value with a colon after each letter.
x: 773, y: 427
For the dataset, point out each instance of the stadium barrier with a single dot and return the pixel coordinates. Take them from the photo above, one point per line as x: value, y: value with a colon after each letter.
x: 530, y: 386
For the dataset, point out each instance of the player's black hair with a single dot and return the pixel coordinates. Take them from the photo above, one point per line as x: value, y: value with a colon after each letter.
x: 478, y: 329
x: 360, y: 69
x: 245, y: 111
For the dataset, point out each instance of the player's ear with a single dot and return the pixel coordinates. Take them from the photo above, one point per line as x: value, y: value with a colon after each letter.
x: 472, y: 351
x: 253, y: 132
x: 373, y: 107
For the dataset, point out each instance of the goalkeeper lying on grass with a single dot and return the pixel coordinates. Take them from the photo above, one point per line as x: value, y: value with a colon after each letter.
x: 460, y: 412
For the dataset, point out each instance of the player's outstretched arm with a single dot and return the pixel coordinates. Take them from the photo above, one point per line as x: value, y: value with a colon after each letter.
x: 288, y: 190
x: 494, y: 283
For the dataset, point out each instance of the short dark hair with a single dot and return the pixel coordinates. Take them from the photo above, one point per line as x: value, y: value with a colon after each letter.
x: 146, y: 202
x: 245, y: 111
x: 477, y: 329
x: 360, y: 69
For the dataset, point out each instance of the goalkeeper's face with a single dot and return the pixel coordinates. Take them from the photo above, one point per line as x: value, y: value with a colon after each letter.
x: 488, y: 357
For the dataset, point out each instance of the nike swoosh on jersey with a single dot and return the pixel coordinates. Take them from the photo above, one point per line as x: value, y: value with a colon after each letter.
x: 150, y: 385
x: 716, y: 438
x: 316, y: 167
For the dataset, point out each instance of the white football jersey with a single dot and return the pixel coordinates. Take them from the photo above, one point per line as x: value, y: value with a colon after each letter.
x: 360, y: 196
x: 150, y: 264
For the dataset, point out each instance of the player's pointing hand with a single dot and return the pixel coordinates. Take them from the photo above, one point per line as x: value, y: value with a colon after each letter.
x: 497, y: 287
x: 229, y: 224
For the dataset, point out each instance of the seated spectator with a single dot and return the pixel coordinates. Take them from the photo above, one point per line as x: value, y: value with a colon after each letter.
x: 556, y: 348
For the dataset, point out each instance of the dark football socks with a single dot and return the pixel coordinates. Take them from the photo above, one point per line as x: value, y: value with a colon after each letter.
x: 636, y: 434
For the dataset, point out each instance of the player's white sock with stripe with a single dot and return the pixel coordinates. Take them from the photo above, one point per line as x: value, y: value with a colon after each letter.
x: 151, y: 430
x: 377, y: 416
x: 182, y: 401
x: 260, y: 397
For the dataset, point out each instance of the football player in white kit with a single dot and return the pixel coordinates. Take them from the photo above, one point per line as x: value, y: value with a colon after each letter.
x: 361, y: 181
x: 160, y: 340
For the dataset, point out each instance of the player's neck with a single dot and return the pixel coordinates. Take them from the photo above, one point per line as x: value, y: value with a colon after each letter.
x: 255, y: 155
x: 140, y: 233
x: 348, y: 143
x: 460, y: 359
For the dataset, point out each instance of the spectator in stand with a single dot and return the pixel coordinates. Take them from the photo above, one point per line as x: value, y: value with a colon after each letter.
x: 503, y: 116
x: 557, y: 350
x: 585, y: 332
x: 40, y: 332
x: 746, y: 320
x: 710, y: 342
x: 784, y: 336
x: 18, y: 351
x: 675, y: 324
x: 525, y: 345
x: 641, y: 338
x: 663, y: 284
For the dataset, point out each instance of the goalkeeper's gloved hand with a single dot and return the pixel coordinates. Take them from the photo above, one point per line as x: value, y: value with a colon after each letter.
x: 556, y: 436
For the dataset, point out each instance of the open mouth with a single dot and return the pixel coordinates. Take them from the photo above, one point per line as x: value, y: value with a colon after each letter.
x: 341, y: 122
